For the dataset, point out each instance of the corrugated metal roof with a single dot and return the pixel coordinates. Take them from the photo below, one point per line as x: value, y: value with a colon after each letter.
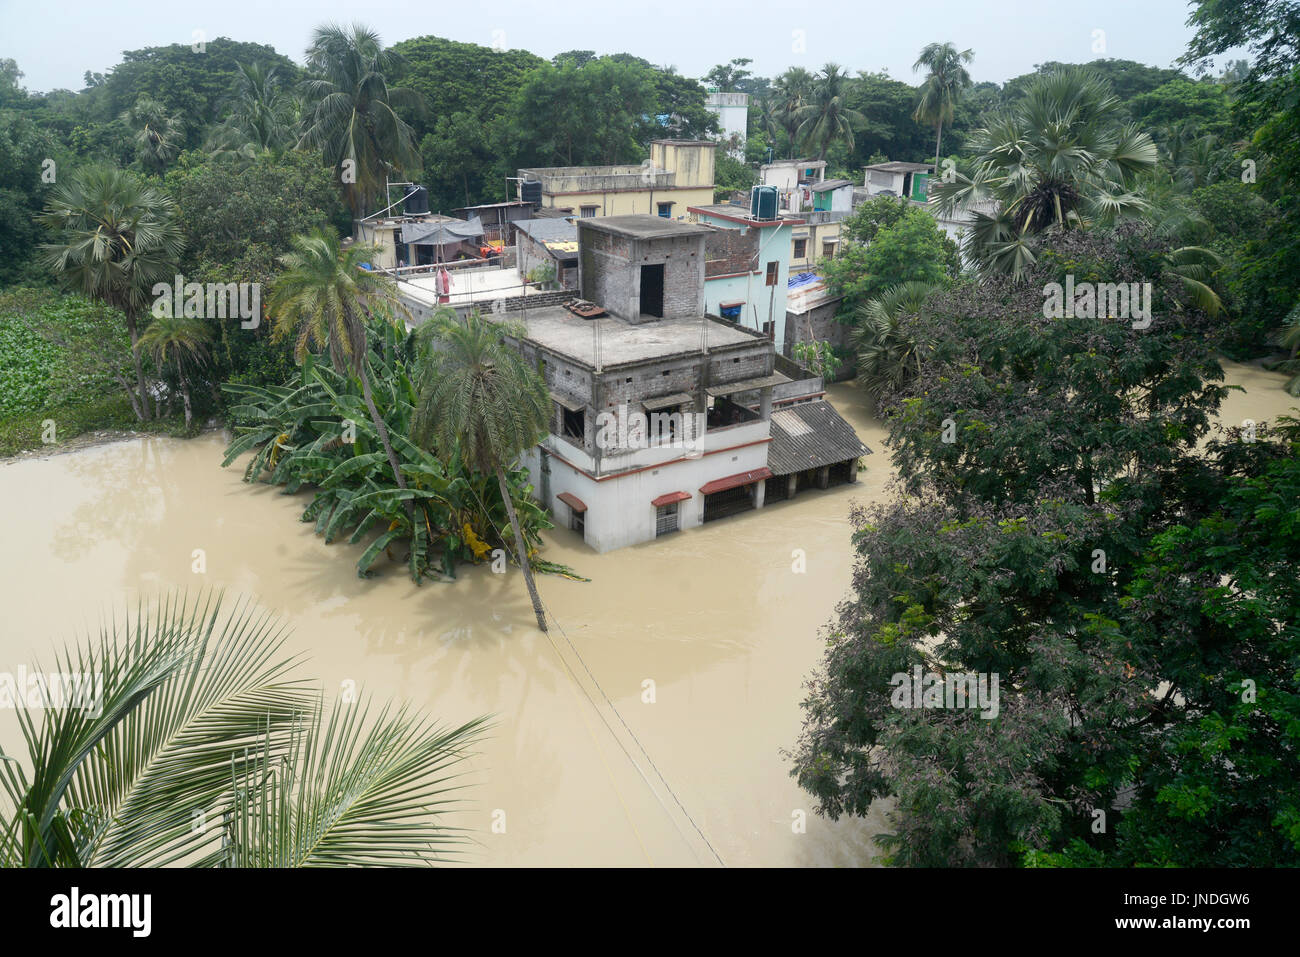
x: 810, y: 435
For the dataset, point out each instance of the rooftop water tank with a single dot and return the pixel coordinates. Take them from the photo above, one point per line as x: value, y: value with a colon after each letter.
x: 416, y: 201
x: 763, y: 202
x: 530, y: 191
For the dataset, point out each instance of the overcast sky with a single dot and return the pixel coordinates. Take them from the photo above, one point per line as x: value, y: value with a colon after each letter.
x: 56, y: 42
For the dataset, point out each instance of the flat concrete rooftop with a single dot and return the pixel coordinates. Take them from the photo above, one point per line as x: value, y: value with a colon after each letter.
x: 559, y: 331
x: 642, y: 227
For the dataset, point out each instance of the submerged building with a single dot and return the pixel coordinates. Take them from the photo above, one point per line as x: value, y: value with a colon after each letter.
x: 663, y: 415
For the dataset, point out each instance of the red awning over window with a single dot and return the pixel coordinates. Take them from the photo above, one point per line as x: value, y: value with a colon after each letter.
x: 571, y: 500
x: 670, y: 499
x: 732, y: 481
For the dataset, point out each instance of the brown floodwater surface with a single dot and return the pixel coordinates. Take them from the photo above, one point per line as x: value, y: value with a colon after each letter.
x: 576, y: 764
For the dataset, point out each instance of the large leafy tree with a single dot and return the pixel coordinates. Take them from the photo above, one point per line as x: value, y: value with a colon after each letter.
x: 946, y: 79
x: 1052, y: 466
x: 827, y: 118
x: 910, y: 248
x: 354, y: 119
x: 200, y: 747
x: 115, y: 238
x: 324, y: 300
x: 479, y: 397
x: 1061, y: 157
x: 729, y: 77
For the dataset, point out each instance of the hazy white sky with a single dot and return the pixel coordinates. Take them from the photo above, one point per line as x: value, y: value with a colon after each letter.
x: 56, y: 42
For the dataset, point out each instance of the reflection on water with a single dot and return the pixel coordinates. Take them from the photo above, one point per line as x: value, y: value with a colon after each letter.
x: 714, y: 616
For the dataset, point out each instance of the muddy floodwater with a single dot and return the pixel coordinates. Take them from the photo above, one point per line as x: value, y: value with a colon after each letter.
x: 576, y: 764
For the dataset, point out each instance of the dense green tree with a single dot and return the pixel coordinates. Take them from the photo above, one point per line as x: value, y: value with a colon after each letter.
x: 888, y: 351
x: 1126, y: 78
x: 594, y: 115
x: 1043, y: 459
x: 158, y: 134
x: 728, y: 77
x: 453, y: 77
x: 29, y: 160
x: 911, y: 248
x: 1204, y: 104
x: 887, y: 106
x: 178, y: 344
x: 191, y: 81
x: 225, y: 207
x: 791, y: 93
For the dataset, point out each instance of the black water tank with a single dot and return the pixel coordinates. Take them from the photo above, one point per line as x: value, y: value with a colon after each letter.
x: 417, y: 200
x: 530, y: 191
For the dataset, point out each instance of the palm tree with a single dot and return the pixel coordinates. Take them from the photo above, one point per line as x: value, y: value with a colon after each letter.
x: 197, y: 746
x: 827, y: 118
x: 117, y: 238
x: 181, y: 341
x: 353, y: 115
x: 945, y: 81
x: 1193, y: 268
x: 793, y: 91
x: 158, y: 135
x: 889, y: 354
x: 1061, y: 157
x: 1289, y: 339
x: 325, y: 299
x: 477, y: 393
x: 262, y: 117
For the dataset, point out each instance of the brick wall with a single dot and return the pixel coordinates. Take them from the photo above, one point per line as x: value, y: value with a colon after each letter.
x: 726, y: 251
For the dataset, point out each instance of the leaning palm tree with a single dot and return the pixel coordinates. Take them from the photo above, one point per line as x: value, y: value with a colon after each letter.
x: 945, y: 81
x: 262, y: 115
x: 116, y: 237
x: 889, y: 354
x: 158, y: 134
x: 182, y: 343
x: 827, y: 118
x: 477, y: 393
x: 1062, y: 157
x: 353, y: 116
x: 186, y: 716
x: 325, y: 299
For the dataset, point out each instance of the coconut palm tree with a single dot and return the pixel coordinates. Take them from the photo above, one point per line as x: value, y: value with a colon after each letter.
x: 945, y: 81
x: 1289, y: 338
x: 793, y: 90
x: 889, y: 354
x: 353, y: 117
x: 115, y: 239
x: 827, y: 118
x: 477, y: 393
x: 325, y: 300
x: 1061, y: 157
x: 263, y: 115
x: 196, y: 745
x: 158, y: 134
x: 182, y: 343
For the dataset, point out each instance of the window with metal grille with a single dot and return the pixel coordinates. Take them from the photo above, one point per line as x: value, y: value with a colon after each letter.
x: 666, y: 519
x: 771, y: 274
x: 800, y: 248
x: 588, y: 212
x: 666, y: 210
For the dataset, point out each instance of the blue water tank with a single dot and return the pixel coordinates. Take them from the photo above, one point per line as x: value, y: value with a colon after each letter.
x: 763, y: 202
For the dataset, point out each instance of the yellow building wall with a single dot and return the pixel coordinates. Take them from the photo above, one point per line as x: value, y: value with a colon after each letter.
x: 817, y: 236
x: 693, y: 163
x: 627, y: 202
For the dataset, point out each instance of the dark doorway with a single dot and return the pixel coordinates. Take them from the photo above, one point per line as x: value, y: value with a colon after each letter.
x: 728, y: 502
x: 652, y: 290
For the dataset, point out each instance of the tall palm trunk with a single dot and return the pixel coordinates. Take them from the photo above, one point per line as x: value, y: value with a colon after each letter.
x: 142, y: 408
x: 185, y: 400
x: 382, y: 429
x: 937, y: 140
x: 521, y: 549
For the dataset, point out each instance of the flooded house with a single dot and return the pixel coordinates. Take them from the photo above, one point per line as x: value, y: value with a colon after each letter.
x: 664, y: 416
